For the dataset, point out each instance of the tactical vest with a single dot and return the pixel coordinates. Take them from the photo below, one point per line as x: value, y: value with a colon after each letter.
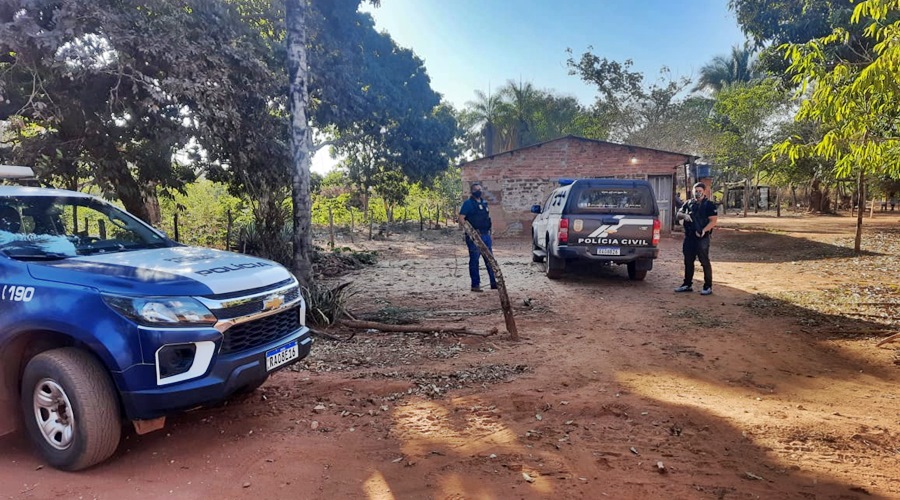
x: 480, y: 218
x: 698, y: 215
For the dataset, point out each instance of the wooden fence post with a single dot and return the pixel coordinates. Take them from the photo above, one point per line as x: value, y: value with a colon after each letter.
x: 331, y: 228
x: 230, y: 221
x: 175, y: 223
x: 501, y: 283
x: 352, y: 223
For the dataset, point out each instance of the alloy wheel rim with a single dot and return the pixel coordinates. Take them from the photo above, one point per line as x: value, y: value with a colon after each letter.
x: 53, y: 414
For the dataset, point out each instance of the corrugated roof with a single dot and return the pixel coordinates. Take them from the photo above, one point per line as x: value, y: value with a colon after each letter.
x: 584, y: 139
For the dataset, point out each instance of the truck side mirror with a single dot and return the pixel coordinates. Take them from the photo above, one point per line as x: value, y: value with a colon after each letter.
x: 535, y: 209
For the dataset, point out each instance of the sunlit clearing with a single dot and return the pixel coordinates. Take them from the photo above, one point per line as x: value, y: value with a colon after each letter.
x: 425, y: 426
x: 376, y: 488
x: 731, y: 403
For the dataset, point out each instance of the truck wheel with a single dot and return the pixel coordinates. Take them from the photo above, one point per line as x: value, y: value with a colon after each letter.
x: 71, y: 408
x: 634, y: 274
x: 535, y: 249
x: 554, y: 266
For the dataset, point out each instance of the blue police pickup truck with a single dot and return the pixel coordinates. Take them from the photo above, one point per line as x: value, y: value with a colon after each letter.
x: 104, y: 320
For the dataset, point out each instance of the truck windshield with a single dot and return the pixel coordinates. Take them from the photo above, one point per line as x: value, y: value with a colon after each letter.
x: 46, y: 228
x: 620, y: 200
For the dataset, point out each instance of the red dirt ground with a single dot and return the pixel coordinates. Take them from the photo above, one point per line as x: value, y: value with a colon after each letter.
x: 770, y: 388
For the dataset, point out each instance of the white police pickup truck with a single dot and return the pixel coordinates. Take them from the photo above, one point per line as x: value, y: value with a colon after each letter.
x: 103, y: 320
x: 601, y: 221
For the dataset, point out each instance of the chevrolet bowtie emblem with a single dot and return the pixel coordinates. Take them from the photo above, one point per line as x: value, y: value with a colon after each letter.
x: 273, y: 302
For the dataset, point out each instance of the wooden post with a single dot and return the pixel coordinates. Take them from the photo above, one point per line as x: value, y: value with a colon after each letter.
x: 331, y: 228
x: 102, y: 228
x: 175, y: 222
x: 230, y: 221
x: 501, y: 283
x: 872, y: 210
x: 421, y: 220
x: 861, y: 202
x: 352, y: 223
x: 437, y: 217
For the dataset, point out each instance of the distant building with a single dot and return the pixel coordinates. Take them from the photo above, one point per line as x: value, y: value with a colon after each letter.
x: 515, y: 180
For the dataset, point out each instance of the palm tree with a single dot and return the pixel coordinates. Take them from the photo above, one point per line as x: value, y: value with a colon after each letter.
x: 486, y: 112
x: 520, y: 106
x: 722, y: 71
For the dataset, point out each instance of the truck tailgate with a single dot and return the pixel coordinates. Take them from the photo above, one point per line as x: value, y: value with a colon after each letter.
x: 610, y: 232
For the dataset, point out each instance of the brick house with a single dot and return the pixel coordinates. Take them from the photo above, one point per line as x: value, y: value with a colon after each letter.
x: 515, y: 180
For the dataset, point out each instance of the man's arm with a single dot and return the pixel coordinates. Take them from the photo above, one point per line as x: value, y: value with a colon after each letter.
x: 713, y: 219
x: 461, y: 218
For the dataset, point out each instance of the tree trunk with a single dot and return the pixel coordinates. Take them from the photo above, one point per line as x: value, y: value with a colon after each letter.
x: 130, y: 193
x: 861, y: 201
x: 296, y: 13
x: 746, y: 196
x: 501, y: 283
x: 352, y: 223
x: 756, y: 199
x: 151, y: 203
x: 331, y: 228
x: 793, y: 197
x: 872, y: 209
x: 777, y: 202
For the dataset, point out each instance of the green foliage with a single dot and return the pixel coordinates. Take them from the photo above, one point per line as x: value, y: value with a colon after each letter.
x: 855, y: 103
x: 746, y: 117
x: 519, y: 115
x: 325, y: 305
x: 722, y: 71
x: 634, y: 112
x: 203, y: 211
x: 442, y: 196
x: 772, y: 23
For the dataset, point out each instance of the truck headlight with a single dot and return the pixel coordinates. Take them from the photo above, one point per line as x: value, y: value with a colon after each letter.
x: 158, y: 311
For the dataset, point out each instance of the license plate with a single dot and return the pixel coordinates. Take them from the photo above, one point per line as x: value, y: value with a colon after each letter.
x: 608, y: 251
x: 286, y: 353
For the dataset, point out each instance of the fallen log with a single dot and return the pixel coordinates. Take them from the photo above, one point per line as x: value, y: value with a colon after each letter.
x: 892, y: 338
x: 387, y: 327
x: 498, y: 274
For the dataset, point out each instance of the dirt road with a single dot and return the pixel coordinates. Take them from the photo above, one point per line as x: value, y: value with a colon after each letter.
x: 770, y: 388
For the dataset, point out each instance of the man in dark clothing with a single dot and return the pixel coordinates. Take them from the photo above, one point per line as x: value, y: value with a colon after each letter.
x: 475, y: 211
x: 699, y: 217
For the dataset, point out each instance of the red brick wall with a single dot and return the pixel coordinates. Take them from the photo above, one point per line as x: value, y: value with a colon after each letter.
x: 515, y: 180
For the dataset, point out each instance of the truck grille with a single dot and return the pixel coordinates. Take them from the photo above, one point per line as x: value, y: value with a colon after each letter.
x: 253, y: 306
x: 261, y: 331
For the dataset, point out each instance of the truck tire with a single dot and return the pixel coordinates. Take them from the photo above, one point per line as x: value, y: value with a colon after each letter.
x: 535, y: 249
x: 553, y: 266
x: 634, y: 274
x: 71, y: 408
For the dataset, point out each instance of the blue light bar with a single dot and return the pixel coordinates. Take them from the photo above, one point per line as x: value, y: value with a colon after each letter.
x: 566, y: 182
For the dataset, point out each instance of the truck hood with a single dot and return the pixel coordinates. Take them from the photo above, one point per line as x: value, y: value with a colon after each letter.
x: 190, y: 271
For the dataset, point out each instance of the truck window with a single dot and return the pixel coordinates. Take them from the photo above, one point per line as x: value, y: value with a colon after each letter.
x: 36, y: 227
x: 620, y: 200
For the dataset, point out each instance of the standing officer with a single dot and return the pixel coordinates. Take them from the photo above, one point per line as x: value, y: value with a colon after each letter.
x: 475, y: 211
x: 699, y: 217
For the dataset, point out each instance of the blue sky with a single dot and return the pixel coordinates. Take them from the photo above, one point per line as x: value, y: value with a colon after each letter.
x: 480, y: 44
x: 469, y: 44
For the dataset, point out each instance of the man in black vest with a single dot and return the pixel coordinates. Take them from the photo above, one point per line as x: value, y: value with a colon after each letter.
x: 699, y: 217
x: 475, y: 211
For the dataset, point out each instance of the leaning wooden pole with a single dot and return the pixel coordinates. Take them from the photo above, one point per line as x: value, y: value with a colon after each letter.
x: 498, y: 274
